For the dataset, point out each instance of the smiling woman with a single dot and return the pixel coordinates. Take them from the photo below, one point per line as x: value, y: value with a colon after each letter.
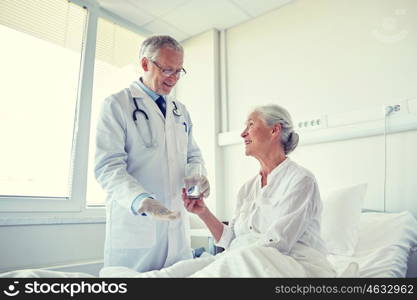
x: 269, y: 132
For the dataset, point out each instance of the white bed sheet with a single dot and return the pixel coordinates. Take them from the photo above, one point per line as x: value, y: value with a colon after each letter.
x: 248, y: 260
x: 43, y: 273
x: 244, y: 261
x: 384, y: 243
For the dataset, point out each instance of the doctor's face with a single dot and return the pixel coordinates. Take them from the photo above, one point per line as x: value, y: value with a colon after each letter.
x: 257, y: 135
x: 154, y: 77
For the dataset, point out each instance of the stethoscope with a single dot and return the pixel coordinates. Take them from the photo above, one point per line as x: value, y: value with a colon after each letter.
x: 175, y: 111
x: 151, y: 143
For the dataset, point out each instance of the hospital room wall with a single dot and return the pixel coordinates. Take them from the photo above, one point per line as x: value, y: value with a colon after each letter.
x: 198, y: 90
x: 327, y: 57
x: 49, y: 245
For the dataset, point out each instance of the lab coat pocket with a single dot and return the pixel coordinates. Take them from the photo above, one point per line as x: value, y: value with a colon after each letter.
x: 181, y: 133
x: 134, y: 232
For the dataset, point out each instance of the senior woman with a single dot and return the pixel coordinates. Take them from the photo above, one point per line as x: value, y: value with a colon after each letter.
x: 275, y: 231
x: 279, y: 208
x: 282, y: 202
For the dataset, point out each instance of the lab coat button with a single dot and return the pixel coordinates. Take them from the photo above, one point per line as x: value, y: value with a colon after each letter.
x: 250, y: 227
x: 271, y: 240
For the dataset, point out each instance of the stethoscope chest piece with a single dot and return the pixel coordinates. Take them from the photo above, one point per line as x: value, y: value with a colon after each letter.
x: 175, y: 111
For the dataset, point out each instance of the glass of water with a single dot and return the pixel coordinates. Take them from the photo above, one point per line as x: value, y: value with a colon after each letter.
x: 193, y: 173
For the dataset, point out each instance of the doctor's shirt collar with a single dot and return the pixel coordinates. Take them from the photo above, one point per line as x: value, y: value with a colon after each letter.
x: 148, y: 91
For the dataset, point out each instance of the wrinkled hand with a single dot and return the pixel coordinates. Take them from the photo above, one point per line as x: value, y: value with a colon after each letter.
x: 198, y: 180
x: 195, y: 206
x: 157, y: 210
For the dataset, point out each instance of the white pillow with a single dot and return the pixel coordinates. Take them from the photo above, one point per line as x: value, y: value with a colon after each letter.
x: 340, y: 220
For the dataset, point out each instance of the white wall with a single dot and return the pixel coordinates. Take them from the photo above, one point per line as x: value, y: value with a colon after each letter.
x: 198, y: 90
x: 322, y: 55
x: 38, y: 246
x: 328, y: 57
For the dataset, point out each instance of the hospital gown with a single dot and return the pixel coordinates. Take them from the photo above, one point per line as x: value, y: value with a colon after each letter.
x: 275, y: 233
x: 286, y: 210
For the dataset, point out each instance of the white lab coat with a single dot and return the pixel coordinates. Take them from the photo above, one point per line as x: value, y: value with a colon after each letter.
x: 125, y: 168
x: 285, y: 211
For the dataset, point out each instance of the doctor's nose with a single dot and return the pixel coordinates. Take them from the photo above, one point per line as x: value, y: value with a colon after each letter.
x: 172, y: 80
x: 174, y: 77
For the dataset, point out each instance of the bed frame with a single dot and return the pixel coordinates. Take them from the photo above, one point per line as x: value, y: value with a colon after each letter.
x: 412, y: 263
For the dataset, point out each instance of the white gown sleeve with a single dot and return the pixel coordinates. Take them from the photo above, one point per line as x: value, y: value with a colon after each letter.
x: 227, y: 236
x: 110, y: 166
x: 298, y: 209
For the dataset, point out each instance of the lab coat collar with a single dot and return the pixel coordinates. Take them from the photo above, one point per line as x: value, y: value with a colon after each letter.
x: 137, y: 91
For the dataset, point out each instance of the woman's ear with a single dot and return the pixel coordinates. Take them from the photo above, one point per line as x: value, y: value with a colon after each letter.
x: 276, y: 129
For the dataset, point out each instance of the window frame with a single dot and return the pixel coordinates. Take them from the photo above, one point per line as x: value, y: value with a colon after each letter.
x: 37, y: 210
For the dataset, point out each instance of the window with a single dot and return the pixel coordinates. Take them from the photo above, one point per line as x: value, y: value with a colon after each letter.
x: 41, y: 43
x: 116, y: 66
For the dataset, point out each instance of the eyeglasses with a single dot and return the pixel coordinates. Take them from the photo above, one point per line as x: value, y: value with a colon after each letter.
x: 169, y: 72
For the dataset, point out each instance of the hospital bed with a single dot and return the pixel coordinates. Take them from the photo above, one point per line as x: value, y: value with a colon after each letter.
x: 386, y: 247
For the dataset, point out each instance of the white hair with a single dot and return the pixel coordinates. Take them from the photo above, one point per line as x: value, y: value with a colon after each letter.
x: 151, y: 46
x: 273, y: 114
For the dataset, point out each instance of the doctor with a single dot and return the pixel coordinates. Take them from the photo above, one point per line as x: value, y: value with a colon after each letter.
x: 144, y: 140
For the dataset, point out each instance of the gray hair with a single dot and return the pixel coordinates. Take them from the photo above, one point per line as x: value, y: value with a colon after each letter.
x: 151, y: 46
x: 273, y: 114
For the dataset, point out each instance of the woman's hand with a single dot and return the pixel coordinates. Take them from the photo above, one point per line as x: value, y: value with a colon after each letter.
x: 195, y: 206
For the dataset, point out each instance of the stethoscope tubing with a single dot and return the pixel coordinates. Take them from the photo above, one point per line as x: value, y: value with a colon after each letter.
x: 138, y: 110
x: 175, y: 111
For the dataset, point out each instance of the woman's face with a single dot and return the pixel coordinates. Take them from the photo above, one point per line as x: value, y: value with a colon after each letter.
x: 257, y: 135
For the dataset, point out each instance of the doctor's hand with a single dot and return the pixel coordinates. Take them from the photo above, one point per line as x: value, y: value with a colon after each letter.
x: 198, y: 180
x: 195, y: 206
x: 157, y: 210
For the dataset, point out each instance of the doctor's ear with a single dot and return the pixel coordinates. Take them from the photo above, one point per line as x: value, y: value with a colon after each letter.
x: 144, y: 63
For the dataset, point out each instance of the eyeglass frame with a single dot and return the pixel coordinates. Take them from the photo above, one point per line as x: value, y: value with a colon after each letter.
x: 168, y: 72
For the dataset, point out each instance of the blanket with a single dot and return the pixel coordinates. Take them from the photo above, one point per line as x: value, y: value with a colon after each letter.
x: 248, y: 261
